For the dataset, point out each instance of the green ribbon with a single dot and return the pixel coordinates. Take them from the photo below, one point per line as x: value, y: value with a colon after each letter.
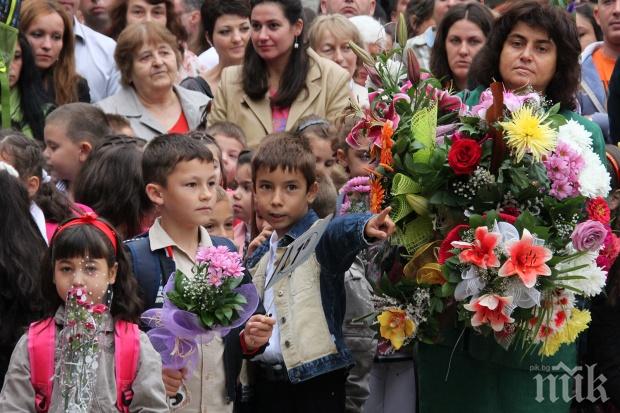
x: 8, y: 37
x: 423, y: 129
x: 416, y: 233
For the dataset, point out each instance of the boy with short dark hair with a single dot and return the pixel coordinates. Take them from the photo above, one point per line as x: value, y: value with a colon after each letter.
x: 304, y: 367
x: 71, y: 132
x: 180, y: 179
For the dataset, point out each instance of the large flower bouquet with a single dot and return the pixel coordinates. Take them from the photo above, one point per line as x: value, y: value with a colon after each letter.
x: 210, y: 301
x: 501, y: 217
x: 80, y: 350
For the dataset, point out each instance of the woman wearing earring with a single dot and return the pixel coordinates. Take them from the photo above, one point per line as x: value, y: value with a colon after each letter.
x: 281, y: 80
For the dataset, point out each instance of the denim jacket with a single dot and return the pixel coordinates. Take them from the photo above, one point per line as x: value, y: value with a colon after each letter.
x: 311, y: 302
x: 592, y: 96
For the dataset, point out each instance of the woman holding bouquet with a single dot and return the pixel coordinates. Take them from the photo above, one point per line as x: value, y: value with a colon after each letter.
x: 532, y: 46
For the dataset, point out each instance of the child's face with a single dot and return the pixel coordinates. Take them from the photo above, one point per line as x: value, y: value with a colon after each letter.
x: 324, y: 155
x: 356, y: 160
x: 231, y: 148
x: 242, y: 205
x: 92, y: 274
x: 189, y: 195
x: 220, y: 222
x: 217, y: 163
x: 282, y: 197
x: 64, y: 157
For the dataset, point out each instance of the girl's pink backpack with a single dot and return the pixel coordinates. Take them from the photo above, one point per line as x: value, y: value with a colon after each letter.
x: 42, y: 347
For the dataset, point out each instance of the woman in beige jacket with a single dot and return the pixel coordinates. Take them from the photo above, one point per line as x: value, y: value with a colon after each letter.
x: 281, y: 80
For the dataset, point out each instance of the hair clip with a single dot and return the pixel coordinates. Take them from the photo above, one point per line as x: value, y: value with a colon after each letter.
x: 312, y: 122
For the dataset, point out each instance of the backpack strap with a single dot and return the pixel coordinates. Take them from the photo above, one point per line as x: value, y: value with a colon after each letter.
x: 41, y: 351
x: 126, y: 356
x: 223, y: 242
x: 151, y: 269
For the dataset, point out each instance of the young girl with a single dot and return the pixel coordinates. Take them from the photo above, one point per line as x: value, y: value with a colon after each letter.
x: 356, y: 161
x: 86, y: 252
x: 242, y: 201
x: 231, y: 139
x: 48, y: 206
x: 19, y: 265
x: 321, y: 134
x: 220, y: 221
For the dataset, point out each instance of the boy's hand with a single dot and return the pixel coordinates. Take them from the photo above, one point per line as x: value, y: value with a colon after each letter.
x: 257, y: 331
x: 380, y: 226
x: 258, y: 241
x: 173, y: 380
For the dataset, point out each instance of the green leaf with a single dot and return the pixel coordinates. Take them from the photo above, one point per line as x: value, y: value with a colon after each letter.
x: 219, y: 314
x: 207, y: 320
x: 476, y: 221
x: 235, y: 281
x: 240, y: 299
x: 228, y: 312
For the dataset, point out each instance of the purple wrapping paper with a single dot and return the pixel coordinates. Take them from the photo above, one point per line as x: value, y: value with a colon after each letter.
x: 176, y: 334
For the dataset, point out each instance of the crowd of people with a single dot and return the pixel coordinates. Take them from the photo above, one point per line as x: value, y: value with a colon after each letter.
x: 143, y: 129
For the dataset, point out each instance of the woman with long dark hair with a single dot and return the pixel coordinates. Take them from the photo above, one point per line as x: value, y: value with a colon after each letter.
x: 21, y: 252
x: 281, y: 79
x: 28, y: 105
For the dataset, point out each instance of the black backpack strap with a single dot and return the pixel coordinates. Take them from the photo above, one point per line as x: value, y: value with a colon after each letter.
x: 224, y: 242
x: 151, y: 269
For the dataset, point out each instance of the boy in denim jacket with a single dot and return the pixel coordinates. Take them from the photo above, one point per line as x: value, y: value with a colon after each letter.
x: 305, y: 364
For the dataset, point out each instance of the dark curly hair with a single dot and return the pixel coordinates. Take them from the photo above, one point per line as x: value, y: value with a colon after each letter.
x: 87, y: 240
x: 476, y: 13
x: 562, y: 30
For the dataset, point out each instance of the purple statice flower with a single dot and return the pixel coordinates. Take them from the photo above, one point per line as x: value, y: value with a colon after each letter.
x: 563, y: 168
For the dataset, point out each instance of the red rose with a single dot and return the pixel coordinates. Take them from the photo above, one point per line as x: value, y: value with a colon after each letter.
x: 99, y: 308
x: 598, y: 210
x: 464, y: 156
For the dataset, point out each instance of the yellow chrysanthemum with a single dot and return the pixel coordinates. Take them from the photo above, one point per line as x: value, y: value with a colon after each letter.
x: 577, y: 323
x: 396, y: 326
x: 528, y: 132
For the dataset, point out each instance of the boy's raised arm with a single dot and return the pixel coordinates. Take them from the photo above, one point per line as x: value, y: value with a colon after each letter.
x: 347, y: 235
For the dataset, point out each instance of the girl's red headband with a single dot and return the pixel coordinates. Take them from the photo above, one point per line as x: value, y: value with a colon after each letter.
x: 90, y: 218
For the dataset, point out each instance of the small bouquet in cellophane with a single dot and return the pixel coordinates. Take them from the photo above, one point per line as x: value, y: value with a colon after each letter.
x: 80, y: 350
x: 210, y: 301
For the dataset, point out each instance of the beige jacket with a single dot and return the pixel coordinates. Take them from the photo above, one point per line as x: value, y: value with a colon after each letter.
x: 326, y: 95
x: 304, y: 333
x: 18, y: 395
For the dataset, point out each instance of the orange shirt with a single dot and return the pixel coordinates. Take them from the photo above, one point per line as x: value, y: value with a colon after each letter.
x: 181, y: 126
x: 604, y: 66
